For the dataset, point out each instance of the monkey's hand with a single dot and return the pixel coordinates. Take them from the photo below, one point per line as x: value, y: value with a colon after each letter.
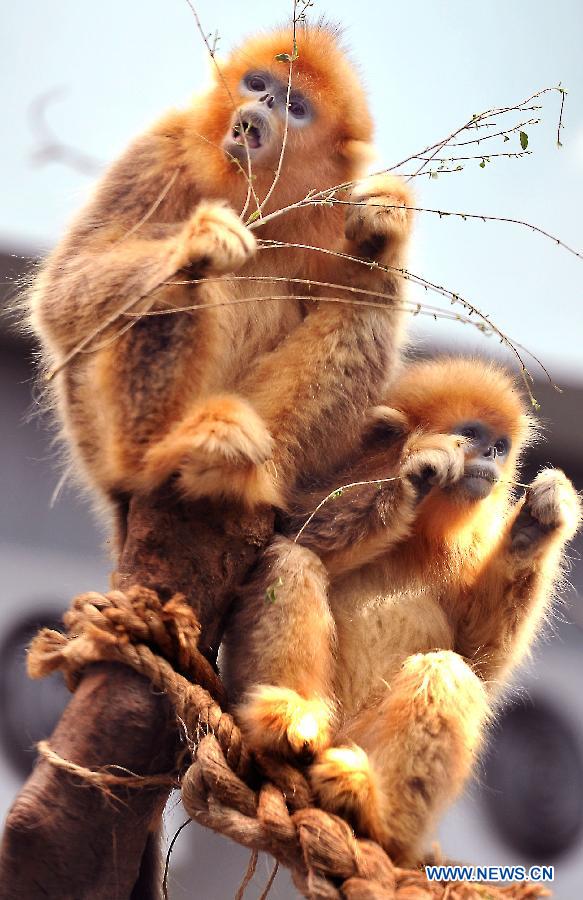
x: 222, y: 449
x: 382, y: 221
x: 278, y: 720
x: 551, y: 505
x: 215, y: 240
x: 433, y: 460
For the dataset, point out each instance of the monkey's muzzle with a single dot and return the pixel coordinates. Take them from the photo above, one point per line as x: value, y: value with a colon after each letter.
x: 478, y: 481
x: 249, y: 130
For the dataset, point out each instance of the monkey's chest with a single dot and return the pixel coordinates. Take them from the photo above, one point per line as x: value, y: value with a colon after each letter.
x: 378, y: 631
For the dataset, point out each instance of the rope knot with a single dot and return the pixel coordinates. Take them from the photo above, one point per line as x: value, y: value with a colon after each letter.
x: 104, y: 627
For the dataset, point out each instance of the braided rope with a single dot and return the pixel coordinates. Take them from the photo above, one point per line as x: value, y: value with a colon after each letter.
x: 159, y: 640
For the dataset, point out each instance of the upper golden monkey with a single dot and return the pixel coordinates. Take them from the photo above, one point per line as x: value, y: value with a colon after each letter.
x: 236, y: 397
x: 381, y: 655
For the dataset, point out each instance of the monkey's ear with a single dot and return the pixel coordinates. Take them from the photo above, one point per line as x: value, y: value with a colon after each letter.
x: 361, y: 153
x: 383, y: 423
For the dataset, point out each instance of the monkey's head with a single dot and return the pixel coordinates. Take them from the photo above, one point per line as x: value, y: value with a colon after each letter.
x: 482, y: 403
x: 328, y: 123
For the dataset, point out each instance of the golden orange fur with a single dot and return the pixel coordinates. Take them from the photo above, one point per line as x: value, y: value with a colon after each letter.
x: 236, y: 397
x: 405, y: 605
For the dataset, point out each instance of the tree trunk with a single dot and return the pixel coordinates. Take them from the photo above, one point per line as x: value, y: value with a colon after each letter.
x: 64, y: 839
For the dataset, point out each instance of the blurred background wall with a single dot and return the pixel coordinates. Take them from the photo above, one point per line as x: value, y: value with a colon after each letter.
x: 95, y: 75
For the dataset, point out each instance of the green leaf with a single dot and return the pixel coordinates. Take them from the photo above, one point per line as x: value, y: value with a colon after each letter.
x: 506, y: 138
x: 523, y: 140
x: 270, y: 593
x: 253, y: 216
x: 336, y: 494
x: 483, y: 164
x: 283, y: 57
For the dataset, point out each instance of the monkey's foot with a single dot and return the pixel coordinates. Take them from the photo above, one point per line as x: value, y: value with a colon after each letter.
x: 383, y: 220
x: 222, y: 449
x: 279, y: 721
x: 551, y: 503
x: 344, y: 782
x: 216, y: 240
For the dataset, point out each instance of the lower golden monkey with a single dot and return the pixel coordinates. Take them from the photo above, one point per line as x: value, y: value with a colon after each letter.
x: 234, y: 397
x: 376, y: 645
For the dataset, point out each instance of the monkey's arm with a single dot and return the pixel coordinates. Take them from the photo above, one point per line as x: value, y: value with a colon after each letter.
x: 338, y: 362
x: 357, y: 524
x: 141, y: 228
x: 506, y: 606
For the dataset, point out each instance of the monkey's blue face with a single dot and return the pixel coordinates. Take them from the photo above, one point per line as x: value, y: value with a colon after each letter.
x: 257, y: 124
x: 486, y: 455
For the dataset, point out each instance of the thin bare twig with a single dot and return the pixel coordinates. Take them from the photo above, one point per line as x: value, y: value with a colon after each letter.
x: 427, y: 154
x: 378, y: 482
x: 168, y: 855
x: 212, y: 53
x: 416, y: 309
x: 478, y: 118
x: 293, y: 55
x: 413, y: 306
x: 439, y: 289
x: 80, y: 347
x: 560, y: 123
x: 443, y: 213
x: 337, y: 493
x: 152, y: 209
x: 503, y: 133
x: 517, y: 154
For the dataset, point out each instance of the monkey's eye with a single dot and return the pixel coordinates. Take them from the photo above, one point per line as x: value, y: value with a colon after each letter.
x: 468, y: 432
x: 501, y: 447
x: 298, y: 109
x: 256, y: 83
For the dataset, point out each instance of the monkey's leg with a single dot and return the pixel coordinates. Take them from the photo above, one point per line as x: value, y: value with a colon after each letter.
x: 279, y: 653
x: 143, y: 382
x: 505, y: 607
x: 416, y: 748
x: 220, y: 448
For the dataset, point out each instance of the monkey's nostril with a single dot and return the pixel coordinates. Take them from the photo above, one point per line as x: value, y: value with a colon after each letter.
x: 271, y: 101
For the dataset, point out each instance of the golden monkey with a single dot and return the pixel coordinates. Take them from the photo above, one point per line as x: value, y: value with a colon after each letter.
x: 237, y: 397
x: 377, y: 647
